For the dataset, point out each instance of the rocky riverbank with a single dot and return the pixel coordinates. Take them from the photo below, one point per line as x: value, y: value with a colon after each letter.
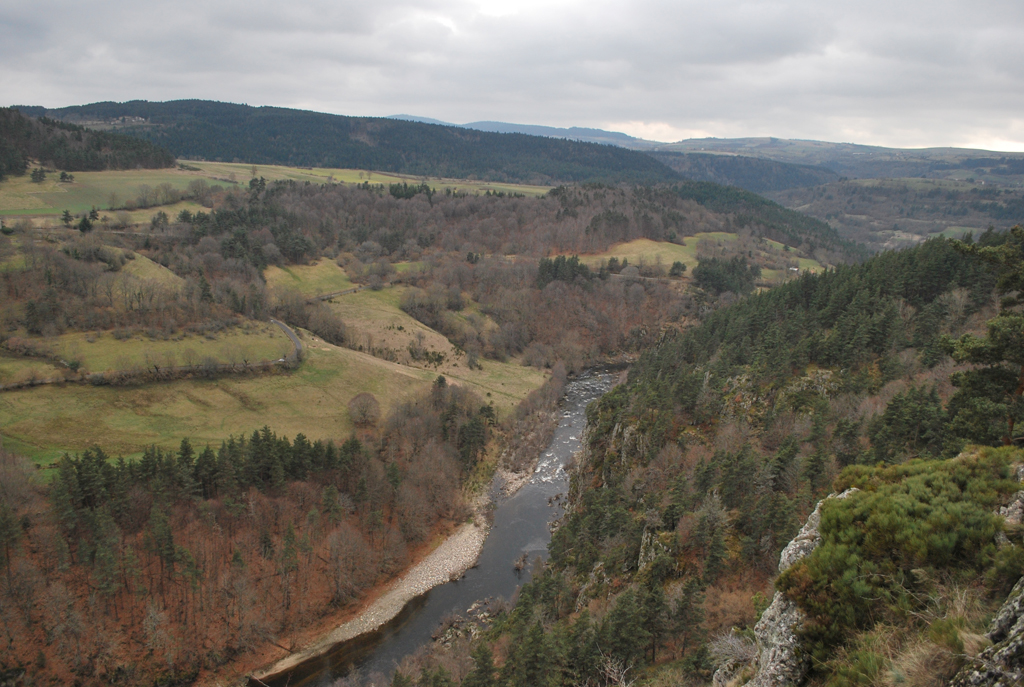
x: 449, y: 561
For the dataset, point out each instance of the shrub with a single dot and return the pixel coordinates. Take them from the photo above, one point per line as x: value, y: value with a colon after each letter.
x: 920, y: 516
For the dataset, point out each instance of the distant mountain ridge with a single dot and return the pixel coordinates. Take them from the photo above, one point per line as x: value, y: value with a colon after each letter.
x: 573, y: 133
x: 856, y: 160
x: 273, y: 135
x: 816, y: 162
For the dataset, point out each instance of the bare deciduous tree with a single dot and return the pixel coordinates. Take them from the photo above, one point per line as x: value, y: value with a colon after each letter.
x: 364, y: 410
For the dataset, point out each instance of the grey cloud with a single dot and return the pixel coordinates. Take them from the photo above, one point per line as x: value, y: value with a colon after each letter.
x: 910, y: 72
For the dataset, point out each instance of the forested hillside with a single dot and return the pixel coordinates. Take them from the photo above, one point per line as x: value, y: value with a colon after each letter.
x: 369, y: 228
x: 751, y: 173
x: 892, y: 213
x: 705, y: 464
x: 69, y: 147
x: 146, y: 571
x: 269, y: 135
x: 869, y: 162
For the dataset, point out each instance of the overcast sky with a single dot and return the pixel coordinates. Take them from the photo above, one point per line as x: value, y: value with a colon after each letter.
x: 905, y: 73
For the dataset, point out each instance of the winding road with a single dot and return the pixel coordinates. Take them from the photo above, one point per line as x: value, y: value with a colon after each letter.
x: 291, y: 335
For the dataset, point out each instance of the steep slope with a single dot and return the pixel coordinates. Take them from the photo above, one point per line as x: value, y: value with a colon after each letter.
x: 703, y: 465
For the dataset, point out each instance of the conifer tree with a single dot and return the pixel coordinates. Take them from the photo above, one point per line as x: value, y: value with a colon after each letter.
x: 483, y: 673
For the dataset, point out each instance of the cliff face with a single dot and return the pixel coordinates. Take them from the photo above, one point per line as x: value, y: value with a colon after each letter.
x: 1002, y: 664
x: 780, y: 660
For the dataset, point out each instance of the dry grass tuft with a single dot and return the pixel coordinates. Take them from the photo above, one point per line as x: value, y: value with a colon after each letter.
x: 922, y: 664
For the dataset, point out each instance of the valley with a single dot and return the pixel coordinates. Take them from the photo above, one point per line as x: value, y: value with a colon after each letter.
x: 189, y: 496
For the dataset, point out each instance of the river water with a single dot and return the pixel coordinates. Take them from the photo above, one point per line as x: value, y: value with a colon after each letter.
x: 521, y: 525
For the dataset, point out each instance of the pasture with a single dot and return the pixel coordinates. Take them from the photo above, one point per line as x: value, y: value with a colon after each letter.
x: 322, y: 277
x: 101, y: 351
x: 43, y: 422
x: 21, y: 197
x: 375, y: 321
x: 123, y: 420
x: 230, y: 172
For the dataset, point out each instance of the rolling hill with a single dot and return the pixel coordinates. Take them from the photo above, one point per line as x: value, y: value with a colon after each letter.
x: 198, y: 129
x: 70, y: 147
x: 868, y: 162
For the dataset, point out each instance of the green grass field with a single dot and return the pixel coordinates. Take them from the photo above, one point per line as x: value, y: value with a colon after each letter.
x: 100, y: 352
x: 45, y: 421
x: 228, y: 171
x: 648, y: 252
x: 124, y: 420
x: 20, y: 368
x: 405, y: 267
x: 958, y: 232
x: 141, y: 267
x: 19, y: 196
x: 375, y: 319
x: 322, y: 277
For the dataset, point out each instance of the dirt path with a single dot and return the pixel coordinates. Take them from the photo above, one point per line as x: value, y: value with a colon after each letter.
x: 448, y: 561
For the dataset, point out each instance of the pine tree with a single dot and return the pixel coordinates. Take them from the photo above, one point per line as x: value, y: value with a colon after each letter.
x: 624, y: 631
x: 531, y: 662
x: 989, y: 401
x: 483, y: 673
x: 714, y: 561
x: 688, y: 614
x: 655, y: 614
x: 9, y: 535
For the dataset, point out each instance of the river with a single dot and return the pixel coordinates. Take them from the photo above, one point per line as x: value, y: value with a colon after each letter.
x: 521, y: 525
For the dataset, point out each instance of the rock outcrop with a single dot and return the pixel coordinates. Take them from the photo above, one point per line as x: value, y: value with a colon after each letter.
x: 1002, y: 664
x: 780, y: 660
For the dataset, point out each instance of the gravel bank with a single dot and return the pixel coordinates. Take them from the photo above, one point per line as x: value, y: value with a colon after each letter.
x: 448, y: 561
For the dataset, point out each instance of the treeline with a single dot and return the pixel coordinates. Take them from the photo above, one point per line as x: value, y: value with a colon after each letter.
x: 178, y: 561
x: 70, y: 147
x: 701, y: 468
x: 718, y: 276
x: 270, y: 135
x: 579, y: 220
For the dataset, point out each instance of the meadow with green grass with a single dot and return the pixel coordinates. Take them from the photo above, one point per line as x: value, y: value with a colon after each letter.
x: 648, y: 252
x: 102, y: 351
x: 376, y: 321
x: 22, y: 196
x: 233, y: 171
x: 109, y: 191
x: 312, y: 400
x: 15, y: 369
x: 322, y: 277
